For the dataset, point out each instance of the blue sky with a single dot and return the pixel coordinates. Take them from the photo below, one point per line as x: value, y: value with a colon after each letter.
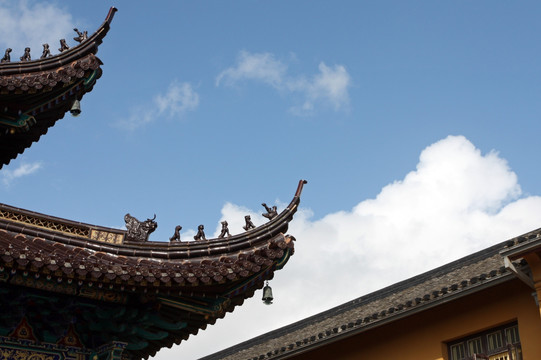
x: 415, y: 123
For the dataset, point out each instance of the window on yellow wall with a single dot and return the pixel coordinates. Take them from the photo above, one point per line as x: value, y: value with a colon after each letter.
x: 502, y: 342
x: 457, y: 351
x: 475, y: 346
x: 511, y: 335
x: 494, y: 341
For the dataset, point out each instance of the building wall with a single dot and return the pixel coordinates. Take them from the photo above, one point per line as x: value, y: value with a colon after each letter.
x: 424, y: 336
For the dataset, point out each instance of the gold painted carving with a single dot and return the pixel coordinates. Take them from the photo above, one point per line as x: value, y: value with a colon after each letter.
x: 45, y: 223
x: 102, y: 295
x: 20, y: 354
x: 71, y: 229
x: 105, y: 236
x: 43, y: 285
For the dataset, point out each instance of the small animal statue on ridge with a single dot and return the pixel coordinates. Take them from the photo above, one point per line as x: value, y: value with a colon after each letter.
x: 225, y: 230
x: 176, y: 235
x: 271, y: 212
x: 249, y: 224
x: 26, y: 55
x: 200, y: 233
x: 46, y: 52
x: 82, y: 35
x: 7, y: 57
x: 63, y: 45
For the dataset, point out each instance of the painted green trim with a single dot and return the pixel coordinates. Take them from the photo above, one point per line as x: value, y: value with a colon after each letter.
x: 162, y: 323
x: 91, y: 80
x: 281, y: 263
x: 210, y: 308
x: 23, y: 121
x: 148, y: 335
x: 140, y: 345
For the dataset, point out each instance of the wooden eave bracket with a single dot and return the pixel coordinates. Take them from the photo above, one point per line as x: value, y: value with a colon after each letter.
x: 518, y: 273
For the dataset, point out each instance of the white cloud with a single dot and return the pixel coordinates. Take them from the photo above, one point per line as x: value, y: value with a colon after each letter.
x: 31, y: 24
x: 261, y: 67
x: 139, y: 117
x: 455, y: 202
x: 179, y: 98
x: 8, y: 175
x: 329, y: 86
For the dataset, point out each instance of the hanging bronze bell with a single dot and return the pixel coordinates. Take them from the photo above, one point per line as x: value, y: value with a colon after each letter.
x: 267, y: 294
x: 75, y: 108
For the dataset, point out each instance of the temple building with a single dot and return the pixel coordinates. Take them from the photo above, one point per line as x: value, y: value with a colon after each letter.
x: 483, y: 306
x: 71, y: 290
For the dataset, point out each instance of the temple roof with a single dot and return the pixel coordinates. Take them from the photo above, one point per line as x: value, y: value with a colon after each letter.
x: 180, y: 286
x: 462, y: 277
x: 68, y: 283
x: 34, y: 94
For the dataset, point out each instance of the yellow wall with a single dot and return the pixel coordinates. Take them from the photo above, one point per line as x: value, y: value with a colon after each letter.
x: 423, y: 336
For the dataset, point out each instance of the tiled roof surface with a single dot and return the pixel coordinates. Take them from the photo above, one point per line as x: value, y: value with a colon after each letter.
x: 469, y: 274
x: 42, y: 89
x: 32, y: 82
x: 35, y: 255
x: 176, y: 286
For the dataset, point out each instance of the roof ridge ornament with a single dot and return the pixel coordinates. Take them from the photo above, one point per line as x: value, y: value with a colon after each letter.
x: 200, y: 233
x: 7, y: 57
x: 249, y: 224
x: 46, y: 51
x: 176, y: 235
x: 26, y: 56
x: 81, y: 35
x: 225, y: 230
x: 271, y: 212
x: 63, y: 45
x: 139, y: 231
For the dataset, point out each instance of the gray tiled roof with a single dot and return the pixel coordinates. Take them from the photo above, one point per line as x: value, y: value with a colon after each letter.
x: 459, y: 278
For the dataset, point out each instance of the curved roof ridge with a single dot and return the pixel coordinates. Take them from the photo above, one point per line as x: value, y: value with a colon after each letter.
x: 85, y: 47
x: 112, y: 240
